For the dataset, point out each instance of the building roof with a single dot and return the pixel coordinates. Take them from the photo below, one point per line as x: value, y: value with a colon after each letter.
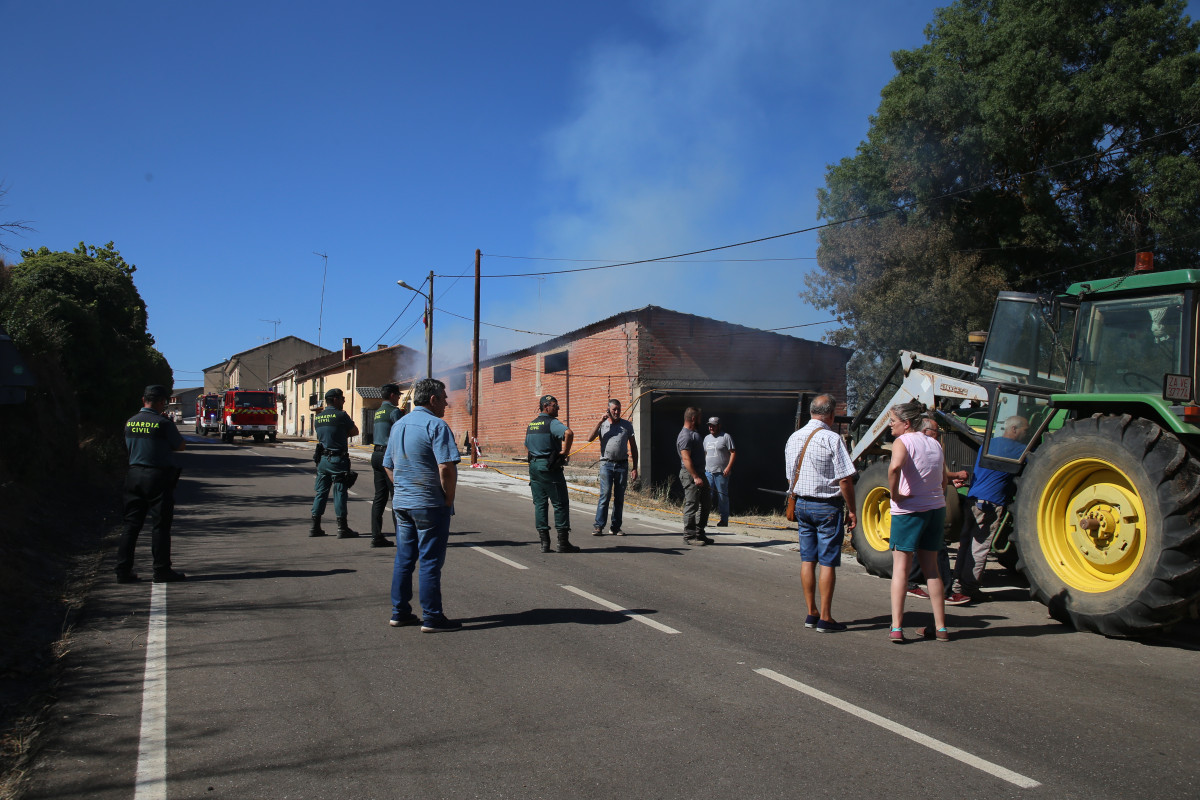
x: 622, y: 318
x: 245, y: 353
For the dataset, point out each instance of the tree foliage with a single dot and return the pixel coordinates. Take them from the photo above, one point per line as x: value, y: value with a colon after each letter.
x: 79, y: 315
x: 1027, y: 141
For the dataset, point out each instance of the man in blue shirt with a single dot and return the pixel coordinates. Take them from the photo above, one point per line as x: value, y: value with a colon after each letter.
x: 152, y: 441
x: 422, y: 461
x: 991, y: 491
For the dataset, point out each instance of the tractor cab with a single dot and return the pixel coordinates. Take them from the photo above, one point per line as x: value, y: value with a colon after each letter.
x: 1124, y: 344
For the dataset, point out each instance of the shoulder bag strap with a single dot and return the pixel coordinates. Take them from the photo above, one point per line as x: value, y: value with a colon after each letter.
x: 800, y: 460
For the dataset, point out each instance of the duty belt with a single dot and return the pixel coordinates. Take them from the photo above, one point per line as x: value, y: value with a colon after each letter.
x: 381, y: 447
x: 328, y: 452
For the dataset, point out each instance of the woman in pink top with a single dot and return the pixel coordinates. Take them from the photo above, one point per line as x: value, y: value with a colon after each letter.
x: 917, y: 482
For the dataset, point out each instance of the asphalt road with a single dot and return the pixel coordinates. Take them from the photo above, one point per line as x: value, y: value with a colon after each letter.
x: 280, y: 677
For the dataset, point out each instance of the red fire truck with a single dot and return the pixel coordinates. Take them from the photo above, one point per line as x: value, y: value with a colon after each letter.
x: 208, y: 413
x: 249, y: 412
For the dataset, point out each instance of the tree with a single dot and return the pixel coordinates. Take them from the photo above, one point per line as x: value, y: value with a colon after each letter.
x: 17, y: 226
x: 80, y: 314
x: 1026, y: 139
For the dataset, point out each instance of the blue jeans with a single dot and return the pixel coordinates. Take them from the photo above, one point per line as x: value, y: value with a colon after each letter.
x: 420, y: 533
x: 819, y: 528
x: 614, y: 477
x: 718, y: 484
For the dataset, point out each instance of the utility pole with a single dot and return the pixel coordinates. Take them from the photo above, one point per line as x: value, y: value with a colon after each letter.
x: 429, y: 332
x: 321, y: 314
x: 475, y: 370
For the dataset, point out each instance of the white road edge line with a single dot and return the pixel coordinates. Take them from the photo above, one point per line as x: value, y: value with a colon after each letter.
x: 498, y: 557
x: 903, y: 730
x: 759, y: 549
x: 151, y: 780
x: 614, y: 607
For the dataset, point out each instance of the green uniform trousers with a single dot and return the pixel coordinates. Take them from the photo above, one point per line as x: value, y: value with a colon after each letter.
x: 547, y: 482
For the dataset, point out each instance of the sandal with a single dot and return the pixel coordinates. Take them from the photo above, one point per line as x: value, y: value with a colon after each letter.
x: 896, y: 636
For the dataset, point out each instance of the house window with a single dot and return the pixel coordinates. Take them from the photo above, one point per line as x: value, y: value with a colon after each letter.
x: 457, y: 381
x: 502, y: 374
x: 556, y: 362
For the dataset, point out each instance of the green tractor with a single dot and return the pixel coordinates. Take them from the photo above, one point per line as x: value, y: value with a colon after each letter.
x: 1106, y: 519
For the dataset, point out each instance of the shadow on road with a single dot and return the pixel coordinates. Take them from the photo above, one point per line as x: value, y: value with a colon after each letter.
x: 268, y: 573
x: 552, y: 616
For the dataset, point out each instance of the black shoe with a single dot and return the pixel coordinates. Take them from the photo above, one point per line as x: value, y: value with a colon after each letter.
x: 439, y: 623
x: 127, y: 577
x: 567, y: 547
x: 169, y: 576
x: 695, y: 541
x: 724, y: 524
x: 702, y: 539
x: 398, y: 621
x: 381, y: 541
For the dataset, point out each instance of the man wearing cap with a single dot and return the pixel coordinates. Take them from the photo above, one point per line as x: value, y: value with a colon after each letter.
x: 548, y: 443
x: 691, y: 476
x: 385, y: 416
x: 616, y: 446
x: 152, y: 439
x: 719, y: 456
x: 333, y: 428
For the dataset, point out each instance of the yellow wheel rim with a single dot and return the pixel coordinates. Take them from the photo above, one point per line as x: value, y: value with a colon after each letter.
x: 877, y: 518
x: 1092, y: 525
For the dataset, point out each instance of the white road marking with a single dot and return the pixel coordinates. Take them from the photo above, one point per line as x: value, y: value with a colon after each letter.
x: 759, y: 549
x: 614, y: 607
x: 662, y: 527
x: 487, y: 552
x: 905, y: 731
x: 151, y: 780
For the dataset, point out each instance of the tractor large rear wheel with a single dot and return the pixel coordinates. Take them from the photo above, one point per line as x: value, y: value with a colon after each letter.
x: 1104, y: 525
x: 872, y: 534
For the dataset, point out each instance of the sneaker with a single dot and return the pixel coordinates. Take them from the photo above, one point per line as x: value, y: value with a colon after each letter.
x: 810, y: 621
x: 382, y: 541
x: 597, y: 531
x: 918, y: 593
x: 127, y: 577
x: 398, y: 621
x: 829, y: 626
x: 694, y: 541
x: 439, y: 623
x: 169, y: 576
x: 896, y: 636
x: 940, y: 634
x: 957, y: 599
x: 618, y: 533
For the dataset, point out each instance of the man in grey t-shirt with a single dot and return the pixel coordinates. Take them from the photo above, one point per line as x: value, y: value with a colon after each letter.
x: 617, y: 445
x: 691, y: 475
x: 719, y: 456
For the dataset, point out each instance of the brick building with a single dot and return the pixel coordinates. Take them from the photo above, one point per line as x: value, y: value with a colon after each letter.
x: 657, y: 362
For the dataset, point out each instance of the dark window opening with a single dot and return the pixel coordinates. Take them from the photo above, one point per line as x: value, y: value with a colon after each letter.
x: 457, y: 381
x: 556, y: 362
x: 502, y: 374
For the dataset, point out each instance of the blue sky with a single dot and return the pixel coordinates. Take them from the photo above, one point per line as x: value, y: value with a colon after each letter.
x: 220, y: 145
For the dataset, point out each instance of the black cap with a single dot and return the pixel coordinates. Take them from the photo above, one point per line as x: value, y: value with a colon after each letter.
x: 156, y: 391
x: 334, y: 394
x: 546, y: 400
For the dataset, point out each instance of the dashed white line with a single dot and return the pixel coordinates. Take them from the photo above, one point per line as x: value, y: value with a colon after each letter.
x: 903, y: 730
x: 151, y: 778
x: 498, y: 557
x: 759, y: 549
x: 614, y: 607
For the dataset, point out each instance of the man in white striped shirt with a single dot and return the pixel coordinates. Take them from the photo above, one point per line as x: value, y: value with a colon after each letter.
x: 824, y: 497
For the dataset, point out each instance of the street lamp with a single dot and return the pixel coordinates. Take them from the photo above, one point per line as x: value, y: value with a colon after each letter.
x: 428, y: 322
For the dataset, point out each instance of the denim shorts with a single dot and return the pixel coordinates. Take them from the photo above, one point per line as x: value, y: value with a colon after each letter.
x: 819, y: 526
x: 921, y: 530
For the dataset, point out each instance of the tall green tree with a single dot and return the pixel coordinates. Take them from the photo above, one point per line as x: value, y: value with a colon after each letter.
x: 80, y: 316
x: 1028, y: 141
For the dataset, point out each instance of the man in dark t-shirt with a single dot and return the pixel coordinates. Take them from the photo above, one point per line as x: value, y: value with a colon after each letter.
x: 152, y: 441
x: 333, y: 428
x: 691, y: 474
x: 385, y: 417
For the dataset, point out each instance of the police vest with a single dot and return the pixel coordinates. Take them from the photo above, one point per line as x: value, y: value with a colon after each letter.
x: 332, y: 428
x: 385, y: 417
x: 540, y: 439
x: 148, y: 440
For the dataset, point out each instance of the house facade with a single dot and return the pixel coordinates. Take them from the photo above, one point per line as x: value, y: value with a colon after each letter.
x: 254, y: 368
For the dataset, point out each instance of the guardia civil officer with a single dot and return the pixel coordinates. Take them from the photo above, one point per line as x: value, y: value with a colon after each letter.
x: 549, y: 444
x: 152, y: 440
x: 385, y: 416
x: 333, y: 428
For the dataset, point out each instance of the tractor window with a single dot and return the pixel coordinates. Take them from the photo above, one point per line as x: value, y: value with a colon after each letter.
x: 1128, y: 345
x: 1023, y: 348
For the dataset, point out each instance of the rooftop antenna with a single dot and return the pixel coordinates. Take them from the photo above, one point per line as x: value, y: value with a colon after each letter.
x: 321, y: 315
x: 275, y: 332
